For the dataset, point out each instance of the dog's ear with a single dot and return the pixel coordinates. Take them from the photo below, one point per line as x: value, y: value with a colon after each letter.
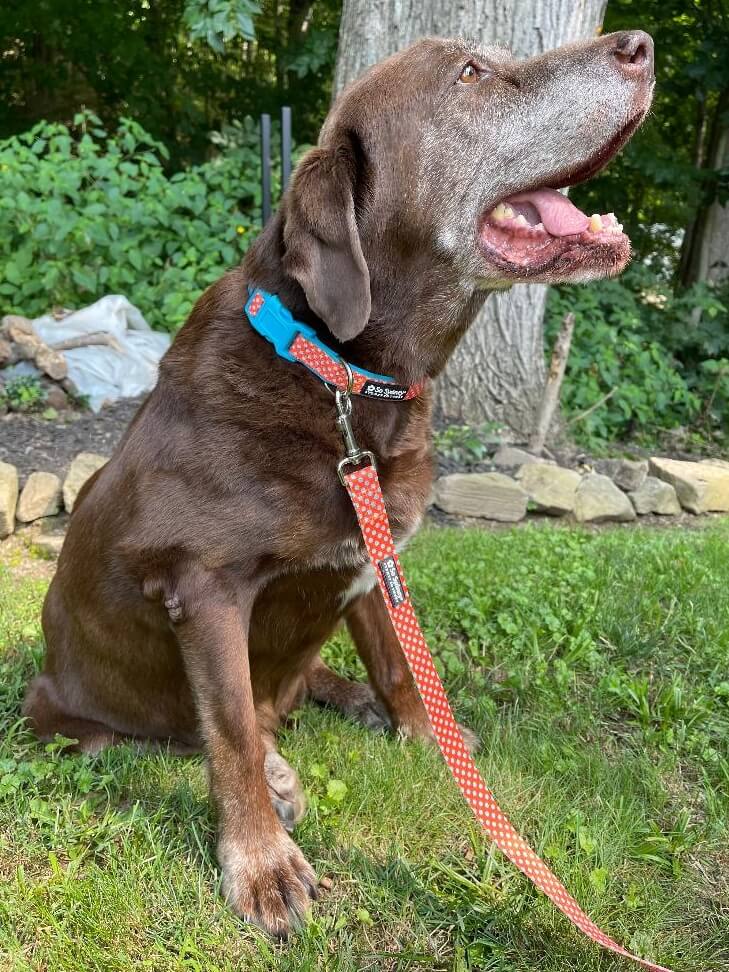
x: 321, y: 239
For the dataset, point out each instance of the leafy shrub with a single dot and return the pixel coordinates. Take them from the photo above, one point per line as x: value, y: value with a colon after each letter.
x: 654, y: 360
x: 84, y: 212
x: 23, y: 394
x: 468, y: 445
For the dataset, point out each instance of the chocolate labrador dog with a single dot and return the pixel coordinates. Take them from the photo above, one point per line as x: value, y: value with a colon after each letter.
x: 211, y: 558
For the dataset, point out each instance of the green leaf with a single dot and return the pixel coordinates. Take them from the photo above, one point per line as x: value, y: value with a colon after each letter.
x: 336, y: 790
x: 598, y: 879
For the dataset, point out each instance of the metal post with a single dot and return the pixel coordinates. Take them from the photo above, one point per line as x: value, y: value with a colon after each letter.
x: 265, y: 168
x: 285, y: 146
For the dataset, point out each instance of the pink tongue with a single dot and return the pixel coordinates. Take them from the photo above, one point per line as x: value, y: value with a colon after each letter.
x: 558, y: 214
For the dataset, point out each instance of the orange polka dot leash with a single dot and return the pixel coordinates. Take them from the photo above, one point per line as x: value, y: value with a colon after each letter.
x: 364, y: 489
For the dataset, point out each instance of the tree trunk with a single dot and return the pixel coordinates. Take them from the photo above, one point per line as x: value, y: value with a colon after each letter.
x: 498, y: 371
x: 714, y: 251
x: 705, y: 250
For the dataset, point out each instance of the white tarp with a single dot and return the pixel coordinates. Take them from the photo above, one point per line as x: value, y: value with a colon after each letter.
x: 103, y: 373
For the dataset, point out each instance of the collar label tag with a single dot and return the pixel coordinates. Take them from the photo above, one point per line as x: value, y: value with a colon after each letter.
x: 383, y: 390
x: 391, y: 579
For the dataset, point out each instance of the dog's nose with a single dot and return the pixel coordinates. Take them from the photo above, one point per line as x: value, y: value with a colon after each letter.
x: 633, y: 51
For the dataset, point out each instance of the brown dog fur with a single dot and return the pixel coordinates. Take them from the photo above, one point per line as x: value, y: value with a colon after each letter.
x: 210, y: 559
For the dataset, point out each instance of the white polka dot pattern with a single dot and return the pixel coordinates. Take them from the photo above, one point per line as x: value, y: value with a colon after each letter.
x: 364, y: 489
x: 333, y: 371
x: 256, y: 304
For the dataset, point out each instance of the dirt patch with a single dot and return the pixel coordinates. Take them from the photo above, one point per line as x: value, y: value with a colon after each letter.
x: 32, y: 443
x: 32, y: 551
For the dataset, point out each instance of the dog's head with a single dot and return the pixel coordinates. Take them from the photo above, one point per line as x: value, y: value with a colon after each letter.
x: 450, y: 156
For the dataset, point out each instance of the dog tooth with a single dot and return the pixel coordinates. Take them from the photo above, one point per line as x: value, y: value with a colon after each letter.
x: 619, y: 227
x: 595, y: 223
x: 521, y: 220
x: 539, y: 226
x: 610, y: 218
x: 499, y: 212
x: 508, y: 212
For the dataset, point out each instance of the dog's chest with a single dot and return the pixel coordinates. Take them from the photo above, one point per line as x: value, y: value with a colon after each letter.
x: 349, y: 557
x: 346, y: 551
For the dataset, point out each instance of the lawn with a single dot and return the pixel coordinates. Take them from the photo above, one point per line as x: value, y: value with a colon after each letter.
x: 595, y: 668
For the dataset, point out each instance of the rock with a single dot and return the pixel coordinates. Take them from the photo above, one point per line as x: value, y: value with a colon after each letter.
x: 51, y: 362
x: 700, y: 486
x: 50, y: 543
x: 41, y: 496
x: 56, y: 398
x: 625, y: 473
x: 551, y: 488
x: 6, y: 352
x: 20, y: 369
x: 598, y: 500
x: 510, y: 457
x: 70, y: 389
x: 655, y: 496
x: 21, y: 324
x: 83, y: 466
x: 8, y: 498
x: 26, y: 343
x: 489, y: 495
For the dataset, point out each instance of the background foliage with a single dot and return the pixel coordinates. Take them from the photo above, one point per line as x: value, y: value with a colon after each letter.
x: 180, y: 68
x: 664, y: 178
x: 642, y: 350
x: 85, y: 212
x: 128, y: 162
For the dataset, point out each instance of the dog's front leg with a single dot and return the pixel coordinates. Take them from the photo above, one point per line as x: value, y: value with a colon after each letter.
x: 377, y: 645
x: 266, y: 878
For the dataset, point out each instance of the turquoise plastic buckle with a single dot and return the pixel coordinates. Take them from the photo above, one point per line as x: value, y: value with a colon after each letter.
x: 276, y: 324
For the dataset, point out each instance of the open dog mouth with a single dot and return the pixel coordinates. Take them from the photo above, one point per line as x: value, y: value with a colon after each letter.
x: 532, y: 229
x: 536, y: 230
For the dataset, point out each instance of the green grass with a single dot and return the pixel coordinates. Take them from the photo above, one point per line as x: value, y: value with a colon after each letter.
x: 595, y: 667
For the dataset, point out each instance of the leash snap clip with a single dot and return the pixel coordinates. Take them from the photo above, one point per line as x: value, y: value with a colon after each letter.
x: 343, y: 401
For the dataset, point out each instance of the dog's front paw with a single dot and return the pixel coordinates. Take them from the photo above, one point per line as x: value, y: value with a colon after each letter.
x: 285, y: 790
x: 268, y: 882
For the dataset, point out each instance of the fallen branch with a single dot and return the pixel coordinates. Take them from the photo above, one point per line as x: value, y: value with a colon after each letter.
x: 592, y: 408
x: 550, y: 398
x: 87, y: 340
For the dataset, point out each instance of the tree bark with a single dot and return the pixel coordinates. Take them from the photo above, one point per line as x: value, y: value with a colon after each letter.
x: 705, y: 251
x: 498, y: 371
x: 714, y: 253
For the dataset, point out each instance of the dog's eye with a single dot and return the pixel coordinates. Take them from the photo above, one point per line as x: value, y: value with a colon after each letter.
x: 470, y: 74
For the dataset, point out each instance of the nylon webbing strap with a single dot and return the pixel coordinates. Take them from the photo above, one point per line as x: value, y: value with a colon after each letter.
x: 332, y: 371
x: 364, y: 489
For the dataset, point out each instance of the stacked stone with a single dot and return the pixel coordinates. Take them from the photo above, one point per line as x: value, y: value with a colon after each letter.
x: 612, y: 490
x: 43, y: 494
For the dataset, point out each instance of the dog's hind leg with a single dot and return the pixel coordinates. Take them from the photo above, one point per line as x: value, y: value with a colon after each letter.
x: 355, y: 699
x: 47, y: 718
x: 378, y: 647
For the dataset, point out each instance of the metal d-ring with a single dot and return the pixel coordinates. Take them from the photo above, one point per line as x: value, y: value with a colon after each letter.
x: 350, y: 380
x: 350, y: 375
